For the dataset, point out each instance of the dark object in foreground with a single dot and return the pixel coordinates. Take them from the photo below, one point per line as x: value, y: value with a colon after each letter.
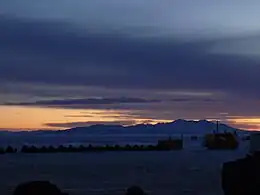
x: 135, y: 190
x: 241, y: 177
x: 162, y: 145
x: 221, y: 141
x: 38, y: 188
x: 170, y: 144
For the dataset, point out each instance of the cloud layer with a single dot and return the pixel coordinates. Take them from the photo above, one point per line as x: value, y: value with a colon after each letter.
x: 84, y: 55
x: 33, y: 51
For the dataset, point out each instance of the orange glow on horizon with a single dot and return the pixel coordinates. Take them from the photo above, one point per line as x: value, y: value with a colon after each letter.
x: 247, y: 123
x: 32, y: 118
x: 247, y: 120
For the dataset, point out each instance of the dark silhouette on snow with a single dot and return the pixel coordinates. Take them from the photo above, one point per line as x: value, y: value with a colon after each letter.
x: 135, y: 190
x: 10, y: 149
x: 221, y: 141
x: 242, y: 176
x: 172, y: 144
x: 47, y: 188
x: 38, y: 188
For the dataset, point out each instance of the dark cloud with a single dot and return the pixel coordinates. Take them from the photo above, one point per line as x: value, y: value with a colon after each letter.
x: 83, y: 103
x: 89, y: 123
x: 195, y: 99
x: 53, y: 53
x: 125, y: 103
x: 106, y: 115
x: 154, y: 109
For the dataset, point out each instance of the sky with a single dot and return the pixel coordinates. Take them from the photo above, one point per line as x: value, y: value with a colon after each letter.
x: 74, y: 63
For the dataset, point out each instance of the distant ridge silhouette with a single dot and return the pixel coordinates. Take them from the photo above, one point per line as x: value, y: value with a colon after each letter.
x: 179, y: 126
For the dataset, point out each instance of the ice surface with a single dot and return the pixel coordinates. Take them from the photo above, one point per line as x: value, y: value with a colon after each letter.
x: 191, y: 171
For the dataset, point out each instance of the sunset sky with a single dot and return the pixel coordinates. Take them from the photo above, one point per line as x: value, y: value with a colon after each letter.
x: 67, y: 63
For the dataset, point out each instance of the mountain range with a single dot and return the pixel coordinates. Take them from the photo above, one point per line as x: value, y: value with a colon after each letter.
x: 114, y: 134
x: 179, y: 126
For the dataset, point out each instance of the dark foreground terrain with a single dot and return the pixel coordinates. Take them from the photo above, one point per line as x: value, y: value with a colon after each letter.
x: 190, y: 171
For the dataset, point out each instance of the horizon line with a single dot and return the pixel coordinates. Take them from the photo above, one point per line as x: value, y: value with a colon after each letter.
x: 131, y: 125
